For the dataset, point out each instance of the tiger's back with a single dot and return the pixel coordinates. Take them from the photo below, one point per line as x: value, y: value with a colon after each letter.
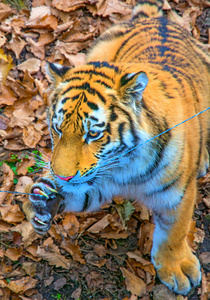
x: 106, y: 118
x: 172, y: 57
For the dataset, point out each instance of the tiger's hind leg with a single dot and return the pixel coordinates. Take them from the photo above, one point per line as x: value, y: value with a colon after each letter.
x: 204, y: 164
x: 177, y: 267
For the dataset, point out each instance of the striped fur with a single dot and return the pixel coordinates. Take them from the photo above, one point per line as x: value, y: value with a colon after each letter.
x: 141, y: 78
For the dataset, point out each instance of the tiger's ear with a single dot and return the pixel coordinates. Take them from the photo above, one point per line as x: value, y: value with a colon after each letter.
x: 132, y: 87
x: 55, y: 72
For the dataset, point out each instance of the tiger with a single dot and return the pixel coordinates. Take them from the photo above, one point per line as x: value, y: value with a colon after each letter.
x: 106, y: 119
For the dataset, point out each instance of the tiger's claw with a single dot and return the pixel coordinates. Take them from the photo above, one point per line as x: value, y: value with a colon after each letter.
x: 39, y: 221
x: 38, y: 191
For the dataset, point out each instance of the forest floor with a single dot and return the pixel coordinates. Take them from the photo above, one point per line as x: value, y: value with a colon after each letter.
x: 103, y: 255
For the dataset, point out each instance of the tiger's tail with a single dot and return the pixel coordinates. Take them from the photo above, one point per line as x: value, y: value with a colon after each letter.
x: 148, y: 9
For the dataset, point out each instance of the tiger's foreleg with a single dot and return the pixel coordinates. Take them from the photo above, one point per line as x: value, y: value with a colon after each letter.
x: 42, y: 205
x: 176, y: 266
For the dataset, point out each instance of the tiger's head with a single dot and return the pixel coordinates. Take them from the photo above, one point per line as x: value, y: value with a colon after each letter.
x: 91, y: 117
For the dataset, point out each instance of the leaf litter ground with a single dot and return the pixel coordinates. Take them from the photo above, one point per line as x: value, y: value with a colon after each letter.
x: 103, y: 255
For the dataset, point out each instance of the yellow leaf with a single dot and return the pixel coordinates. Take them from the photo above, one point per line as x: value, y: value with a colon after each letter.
x: 5, y: 66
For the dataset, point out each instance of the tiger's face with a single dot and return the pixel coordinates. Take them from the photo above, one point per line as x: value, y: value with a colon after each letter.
x: 90, y: 119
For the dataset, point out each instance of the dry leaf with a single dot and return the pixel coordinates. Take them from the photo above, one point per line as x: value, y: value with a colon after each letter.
x: 100, y: 225
x: 5, y: 11
x: 59, y: 284
x: 21, y: 117
x: 74, y: 250
x: 32, y: 65
x: 94, y: 280
x: 27, y: 231
x: 22, y: 169
x: 12, y: 214
x: 77, y: 293
x: 22, y: 285
x: 30, y: 268
x: 71, y: 224
x: 13, y: 253
x: 106, y: 8
x: 68, y: 5
x: 52, y: 254
x: 7, y: 183
x: 7, y: 96
x: 133, y: 283
x: 16, y: 44
x: 31, y: 136
x: 5, y: 66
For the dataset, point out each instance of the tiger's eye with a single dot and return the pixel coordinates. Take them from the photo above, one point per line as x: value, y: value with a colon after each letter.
x: 93, y: 134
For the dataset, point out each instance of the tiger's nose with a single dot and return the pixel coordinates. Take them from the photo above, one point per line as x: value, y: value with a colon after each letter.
x: 64, y: 178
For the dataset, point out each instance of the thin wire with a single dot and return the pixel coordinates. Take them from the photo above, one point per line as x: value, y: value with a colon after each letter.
x: 18, y: 193
x: 149, y: 140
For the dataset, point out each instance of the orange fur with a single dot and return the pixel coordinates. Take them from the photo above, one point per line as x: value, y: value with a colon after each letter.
x: 141, y: 78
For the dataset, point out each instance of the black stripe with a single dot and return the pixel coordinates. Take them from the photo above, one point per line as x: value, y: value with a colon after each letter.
x: 104, y: 84
x: 140, y: 14
x: 73, y: 78
x: 107, y: 141
x: 100, y: 197
x: 93, y: 118
x: 63, y: 101
x: 85, y: 87
x: 164, y: 187
x: 92, y: 105
x: 125, y: 42
x: 108, y: 128
x: 100, y: 124
x: 86, y: 203
x: 101, y: 64
x: 120, y: 131
x: 136, y: 138
x: 102, y: 74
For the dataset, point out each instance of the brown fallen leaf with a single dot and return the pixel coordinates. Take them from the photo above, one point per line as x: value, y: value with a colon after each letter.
x: 68, y: 5
x: 27, y: 231
x: 38, y: 48
x: 4, y: 227
x: 100, y: 225
x: 22, y: 169
x: 144, y: 264
x: 106, y: 8
x: 32, y: 65
x: 22, y: 285
x: 13, y: 253
x: 5, y: 11
x: 94, y: 280
x: 71, y: 224
x: 41, y: 18
x: 74, y: 250
x: 59, y: 283
x: 16, y: 44
x: 77, y: 293
x: 51, y: 253
x: 133, y: 283
x: 7, y: 96
x: 30, y: 268
x: 8, y: 176
x: 21, y: 117
x: 12, y: 214
x: 31, y: 136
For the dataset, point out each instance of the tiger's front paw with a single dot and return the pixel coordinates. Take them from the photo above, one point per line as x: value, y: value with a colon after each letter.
x: 178, y: 269
x: 43, y: 205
